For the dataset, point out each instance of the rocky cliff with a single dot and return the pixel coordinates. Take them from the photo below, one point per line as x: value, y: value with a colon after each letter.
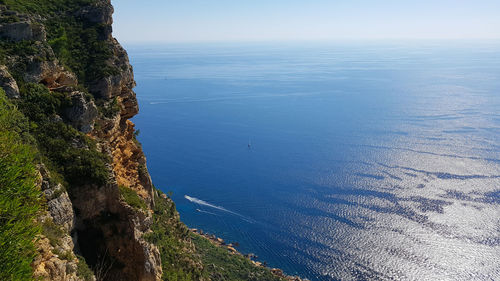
x: 89, y: 218
x: 102, y: 218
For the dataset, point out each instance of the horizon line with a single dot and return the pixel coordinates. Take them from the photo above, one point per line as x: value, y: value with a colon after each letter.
x: 340, y: 40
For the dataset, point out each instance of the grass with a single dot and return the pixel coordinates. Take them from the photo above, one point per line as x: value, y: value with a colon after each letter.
x: 20, y: 198
x: 131, y: 198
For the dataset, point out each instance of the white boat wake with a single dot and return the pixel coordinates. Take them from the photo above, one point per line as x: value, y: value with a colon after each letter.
x: 204, y: 203
x: 206, y: 212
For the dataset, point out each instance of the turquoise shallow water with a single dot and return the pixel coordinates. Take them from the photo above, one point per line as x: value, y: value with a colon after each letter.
x: 367, y: 161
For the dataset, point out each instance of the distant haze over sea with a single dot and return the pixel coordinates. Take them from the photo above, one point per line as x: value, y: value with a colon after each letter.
x: 336, y: 160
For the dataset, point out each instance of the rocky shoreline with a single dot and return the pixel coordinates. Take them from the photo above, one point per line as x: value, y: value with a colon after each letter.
x: 231, y: 248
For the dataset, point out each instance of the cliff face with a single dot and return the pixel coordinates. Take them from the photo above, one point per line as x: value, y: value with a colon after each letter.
x: 106, y: 222
x: 91, y: 219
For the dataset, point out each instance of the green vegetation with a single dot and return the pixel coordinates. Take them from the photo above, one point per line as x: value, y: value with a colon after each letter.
x: 70, y: 156
x: 77, y: 44
x: 22, y: 50
x: 222, y: 265
x: 108, y: 109
x: 131, y: 198
x: 182, y: 262
x: 80, y: 49
x: 13, y: 121
x: 179, y: 263
x: 65, y: 150
x: 53, y: 232
x: 66, y: 255
x: 44, y: 7
x: 83, y: 270
x: 9, y: 19
x: 20, y: 201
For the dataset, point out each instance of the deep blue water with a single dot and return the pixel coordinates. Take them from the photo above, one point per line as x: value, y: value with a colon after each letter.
x: 367, y: 161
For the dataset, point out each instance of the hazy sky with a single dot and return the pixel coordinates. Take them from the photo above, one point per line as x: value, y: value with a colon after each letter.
x: 263, y: 20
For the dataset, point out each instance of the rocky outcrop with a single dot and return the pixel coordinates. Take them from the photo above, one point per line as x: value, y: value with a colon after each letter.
x: 90, y: 220
x: 60, y: 208
x: 55, y: 259
x: 17, y: 27
x: 50, y: 266
x: 59, y: 205
x: 82, y: 113
x: 120, y: 84
x: 110, y: 231
x: 48, y: 72
x: 25, y: 30
x: 100, y: 13
x: 8, y: 83
x: 110, y: 234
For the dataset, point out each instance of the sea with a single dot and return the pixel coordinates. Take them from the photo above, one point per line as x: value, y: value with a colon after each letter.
x: 355, y: 160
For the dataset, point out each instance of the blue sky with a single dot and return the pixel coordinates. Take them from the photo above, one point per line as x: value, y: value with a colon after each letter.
x: 265, y: 20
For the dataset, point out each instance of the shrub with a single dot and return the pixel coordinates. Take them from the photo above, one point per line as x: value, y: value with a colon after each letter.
x: 131, y: 198
x: 53, y: 232
x: 226, y: 266
x: 76, y: 43
x: 12, y: 120
x: 38, y: 103
x: 170, y: 236
x: 69, y: 152
x: 108, y: 109
x: 21, y: 51
x: 44, y: 7
x: 83, y: 270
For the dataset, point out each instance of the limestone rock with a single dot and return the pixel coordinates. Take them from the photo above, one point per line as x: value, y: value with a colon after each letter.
x: 49, y: 266
x: 8, y: 83
x: 82, y: 114
x: 50, y: 73
x: 25, y: 30
x: 130, y: 107
x: 140, y: 259
x: 58, y: 202
x: 61, y: 210
x: 100, y: 13
x: 120, y: 84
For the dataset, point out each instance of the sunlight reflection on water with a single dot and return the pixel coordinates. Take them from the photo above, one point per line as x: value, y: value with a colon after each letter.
x: 367, y: 162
